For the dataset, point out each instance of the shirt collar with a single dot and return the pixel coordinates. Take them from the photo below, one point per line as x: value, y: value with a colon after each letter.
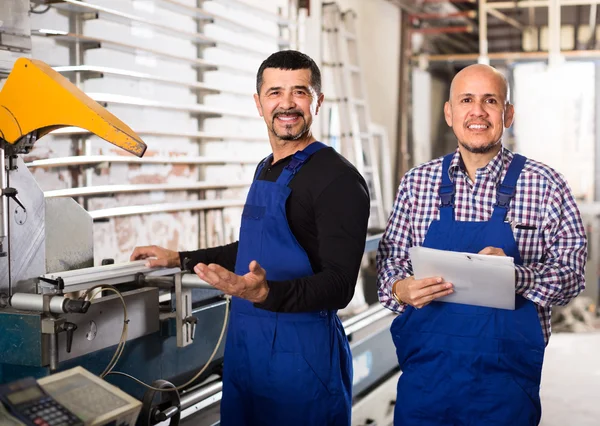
x: 494, y: 168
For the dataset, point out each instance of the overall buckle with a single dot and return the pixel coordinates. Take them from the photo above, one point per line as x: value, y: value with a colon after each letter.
x: 446, y: 193
x: 504, y: 194
x: 297, y: 160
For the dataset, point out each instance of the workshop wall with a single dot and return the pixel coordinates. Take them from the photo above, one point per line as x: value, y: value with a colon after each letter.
x: 239, y: 51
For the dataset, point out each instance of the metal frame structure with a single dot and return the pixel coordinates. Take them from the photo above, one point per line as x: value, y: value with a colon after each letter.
x: 496, y: 9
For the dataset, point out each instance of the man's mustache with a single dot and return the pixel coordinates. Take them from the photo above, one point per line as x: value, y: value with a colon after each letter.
x: 479, y: 121
x: 289, y: 112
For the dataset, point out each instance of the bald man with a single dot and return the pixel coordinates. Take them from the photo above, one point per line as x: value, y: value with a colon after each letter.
x: 464, y: 364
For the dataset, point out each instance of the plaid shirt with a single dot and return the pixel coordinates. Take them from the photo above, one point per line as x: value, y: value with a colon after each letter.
x: 553, y: 254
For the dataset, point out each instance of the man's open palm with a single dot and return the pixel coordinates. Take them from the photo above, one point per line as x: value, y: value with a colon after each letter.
x: 251, y: 286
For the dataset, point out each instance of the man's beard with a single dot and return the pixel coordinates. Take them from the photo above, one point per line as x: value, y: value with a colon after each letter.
x: 479, y: 149
x: 290, y: 136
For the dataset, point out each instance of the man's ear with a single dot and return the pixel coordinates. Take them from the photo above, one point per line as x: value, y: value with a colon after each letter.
x: 320, y: 99
x: 448, y: 113
x: 258, y: 105
x: 509, y: 115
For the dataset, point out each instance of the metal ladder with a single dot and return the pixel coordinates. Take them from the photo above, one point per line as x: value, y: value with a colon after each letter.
x: 356, y: 140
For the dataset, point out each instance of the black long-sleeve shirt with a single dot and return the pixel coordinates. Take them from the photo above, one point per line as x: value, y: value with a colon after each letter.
x: 327, y: 211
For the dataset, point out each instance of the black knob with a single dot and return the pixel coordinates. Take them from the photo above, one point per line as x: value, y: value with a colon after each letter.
x: 69, y: 327
x: 12, y: 193
x: 77, y: 306
x: 108, y: 262
x: 4, y: 300
x: 162, y: 416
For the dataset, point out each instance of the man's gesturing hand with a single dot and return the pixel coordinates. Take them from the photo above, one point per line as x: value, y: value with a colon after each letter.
x: 251, y: 286
x: 419, y: 293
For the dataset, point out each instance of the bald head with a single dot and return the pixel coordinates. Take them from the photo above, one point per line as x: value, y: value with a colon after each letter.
x: 478, y: 110
x: 480, y: 72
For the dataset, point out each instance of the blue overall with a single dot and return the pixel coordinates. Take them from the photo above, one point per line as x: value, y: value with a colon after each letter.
x: 470, y: 365
x: 282, y: 369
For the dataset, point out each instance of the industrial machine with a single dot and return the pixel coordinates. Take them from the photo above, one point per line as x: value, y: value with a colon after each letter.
x: 55, y: 314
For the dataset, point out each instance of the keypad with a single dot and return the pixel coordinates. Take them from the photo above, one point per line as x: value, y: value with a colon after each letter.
x: 47, y: 412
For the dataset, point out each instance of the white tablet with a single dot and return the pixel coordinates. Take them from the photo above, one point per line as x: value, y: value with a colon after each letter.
x: 479, y: 280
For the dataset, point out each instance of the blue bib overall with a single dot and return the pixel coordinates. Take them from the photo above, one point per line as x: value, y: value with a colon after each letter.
x: 469, y: 365
x: 282, y: 369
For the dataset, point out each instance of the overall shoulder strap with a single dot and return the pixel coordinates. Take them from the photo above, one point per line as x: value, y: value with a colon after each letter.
x: 297, y: 161
x: 446, y: 191
x: 507, y: 189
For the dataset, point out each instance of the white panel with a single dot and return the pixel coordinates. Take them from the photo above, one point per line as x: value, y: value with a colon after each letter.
x: 554, y: 120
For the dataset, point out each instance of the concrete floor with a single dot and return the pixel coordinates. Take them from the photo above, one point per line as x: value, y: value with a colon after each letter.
x: 571, y: 380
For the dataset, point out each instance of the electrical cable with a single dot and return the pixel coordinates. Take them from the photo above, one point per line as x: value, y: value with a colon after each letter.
x: 202, y: 370
x: 121, y: 346
x: 96, y: 293
x: 123, y: 339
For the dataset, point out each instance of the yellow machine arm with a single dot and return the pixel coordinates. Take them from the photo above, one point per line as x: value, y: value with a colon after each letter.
x: 37, y: 98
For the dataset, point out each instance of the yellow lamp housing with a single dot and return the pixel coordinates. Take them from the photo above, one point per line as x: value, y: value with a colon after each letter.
x: 36, y: 100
